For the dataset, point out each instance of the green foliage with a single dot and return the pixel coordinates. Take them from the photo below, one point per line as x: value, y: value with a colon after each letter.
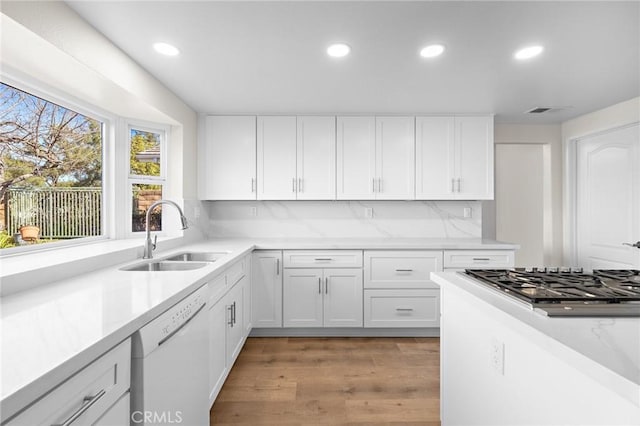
x: 141, y: 142
x: 6, y: 240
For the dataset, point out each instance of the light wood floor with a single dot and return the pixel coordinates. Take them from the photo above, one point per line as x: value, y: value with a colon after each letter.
x: 333, y: 381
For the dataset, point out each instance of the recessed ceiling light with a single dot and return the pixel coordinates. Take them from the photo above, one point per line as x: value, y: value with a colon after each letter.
x: 432, y: 51
x: 166, y: 49
x: 528, y: 52
x: 338, y: 50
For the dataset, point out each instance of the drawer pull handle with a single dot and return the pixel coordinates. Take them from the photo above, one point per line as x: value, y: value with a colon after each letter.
x: 326, y: 285
x: 404, y: 270
x: 87, y: 402
x: 404, y: 309
x: 319, y: 285
x: 483, y: 259
x: 323, y: 259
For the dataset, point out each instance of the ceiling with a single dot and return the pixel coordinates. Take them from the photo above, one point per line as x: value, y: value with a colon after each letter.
x: 268, y: 57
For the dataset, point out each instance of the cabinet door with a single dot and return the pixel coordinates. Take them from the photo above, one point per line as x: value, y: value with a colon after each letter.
x: 356, y: 158
x: 316, y: 156
x: 277, y: 179
x: 474, y: 157
x: 218, y: 319
x: 302, y: 298
x: 235, y: 330
x: 230, y: 158
x: 434, y: 158
x: 395, y: 158
x: 342, y: 297
x: 266, y: 289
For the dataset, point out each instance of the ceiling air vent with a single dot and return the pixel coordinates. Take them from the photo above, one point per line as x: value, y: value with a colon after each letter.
x: 538, y: 110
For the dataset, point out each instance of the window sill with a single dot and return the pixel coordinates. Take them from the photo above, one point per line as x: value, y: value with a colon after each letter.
x: 24, y: 271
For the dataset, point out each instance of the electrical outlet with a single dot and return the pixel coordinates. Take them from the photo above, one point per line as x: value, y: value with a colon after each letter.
x: 368, y: 212
x: 497, y: 356
x: 196, y: 212
x: 254, y: 211
x: 466, y: 212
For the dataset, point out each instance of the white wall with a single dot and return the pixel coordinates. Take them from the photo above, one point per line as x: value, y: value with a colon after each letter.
x: 343, y: 219
x: 549, y: 137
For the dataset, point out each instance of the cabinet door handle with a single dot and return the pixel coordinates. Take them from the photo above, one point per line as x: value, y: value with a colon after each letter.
x: 380, y: 185
x: 459, y: 184
x: 323, y: 259
x: 235, y: 320
x: 373, y: 184
x: 293, y: 184
x: 404, y: 309
x: 481, y: 259
x: 319, y: 285
x: 253, y: 184
x: 404, y: 270
x: 230, y: 309
x: 300, y: 185
x: 277, y: 266
x: 87, y: 402
x: 453, y: 183
x: 326, y: 285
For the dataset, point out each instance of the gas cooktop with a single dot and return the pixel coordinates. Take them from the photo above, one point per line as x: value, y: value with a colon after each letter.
x: 568, y: 291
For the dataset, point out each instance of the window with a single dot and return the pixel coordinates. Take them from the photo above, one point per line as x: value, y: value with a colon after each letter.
x: 146, y: 175
x: 51, y: 171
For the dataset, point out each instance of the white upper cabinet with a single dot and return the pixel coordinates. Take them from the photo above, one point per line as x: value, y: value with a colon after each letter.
x: 356, y: 158
x: 316, y: 155
x: 229, y: 163
x: 296, y: 158
x: 454, y: 158
x: 277, y: 178
x: 395, y: 164
x: 375, y: 158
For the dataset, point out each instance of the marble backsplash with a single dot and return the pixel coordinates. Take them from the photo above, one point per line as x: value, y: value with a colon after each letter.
x: 343, y: 219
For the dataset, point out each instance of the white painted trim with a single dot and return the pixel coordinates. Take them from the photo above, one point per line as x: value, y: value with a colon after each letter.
x: 346, y: 332
x: 569, y: 191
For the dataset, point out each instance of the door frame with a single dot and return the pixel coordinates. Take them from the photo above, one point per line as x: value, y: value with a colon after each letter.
x: 570, y: 191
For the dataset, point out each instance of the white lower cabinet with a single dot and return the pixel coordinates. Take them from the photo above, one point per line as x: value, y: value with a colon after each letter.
x: 266, y: 289
x: 329, y: 297
x: 93, y: 396
x: 217, y: 342
x: 402, y: 308
x: 235, y: 329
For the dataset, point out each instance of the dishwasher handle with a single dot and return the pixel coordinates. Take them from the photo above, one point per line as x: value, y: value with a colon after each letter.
x: 173, y: 333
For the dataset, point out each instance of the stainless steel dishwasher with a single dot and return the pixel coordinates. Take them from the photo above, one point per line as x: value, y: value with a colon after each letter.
x: 169, y: 377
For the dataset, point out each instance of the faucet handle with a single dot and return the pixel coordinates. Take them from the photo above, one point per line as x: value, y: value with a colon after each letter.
x: 155, y: 241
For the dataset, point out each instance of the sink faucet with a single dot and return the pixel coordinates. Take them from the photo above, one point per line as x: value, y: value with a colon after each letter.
x: 150, y: 246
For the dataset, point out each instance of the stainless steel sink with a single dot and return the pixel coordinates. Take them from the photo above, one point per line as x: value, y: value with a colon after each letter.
x: 164, y: 266
x: 195, y: 256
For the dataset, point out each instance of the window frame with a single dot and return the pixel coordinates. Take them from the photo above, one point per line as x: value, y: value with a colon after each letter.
x: 55, y: 96
x: 162, y: 180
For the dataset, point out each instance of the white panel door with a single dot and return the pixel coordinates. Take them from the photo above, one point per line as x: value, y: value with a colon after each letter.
x: 302, y: 298
x: 230, y: 163
x: 316, y: 158
x: 395, y: 158
x: 235, y: 330
x: 343, y: 297
x: 266, y: 289
x: 434, y: 158
x: 276, y: 166
x: 474, y: 158
x: 608, y: 199
x: 218, y: 319
x: 356, y: 158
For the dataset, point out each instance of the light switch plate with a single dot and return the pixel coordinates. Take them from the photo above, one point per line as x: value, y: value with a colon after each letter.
x: 466, y: 212
x: 368, y: 212
x: 254, y: 211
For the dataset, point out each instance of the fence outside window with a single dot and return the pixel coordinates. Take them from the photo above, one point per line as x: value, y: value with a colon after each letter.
x: 58, y: 212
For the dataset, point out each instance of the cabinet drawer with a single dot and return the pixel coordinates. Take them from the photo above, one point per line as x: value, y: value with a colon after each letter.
x: 323, y: 259
x: 236, y: 271
x: 402, y: 308
x: 401, y: 269
x: 104, y: 381
x: 478, y: 259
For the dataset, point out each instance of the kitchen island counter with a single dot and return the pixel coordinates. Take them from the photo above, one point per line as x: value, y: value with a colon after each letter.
x: 511, y: 342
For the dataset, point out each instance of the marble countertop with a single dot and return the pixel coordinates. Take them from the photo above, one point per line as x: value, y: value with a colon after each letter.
x: 593, y: 343
x: 51, y: 331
